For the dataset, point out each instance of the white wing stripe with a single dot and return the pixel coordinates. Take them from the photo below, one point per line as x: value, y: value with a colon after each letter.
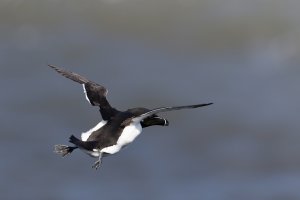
x: 86, y: 135
x: 85, y: 93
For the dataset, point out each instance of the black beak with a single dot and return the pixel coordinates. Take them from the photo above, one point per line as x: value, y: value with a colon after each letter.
x: 161, y: 121
x: 153, y: 121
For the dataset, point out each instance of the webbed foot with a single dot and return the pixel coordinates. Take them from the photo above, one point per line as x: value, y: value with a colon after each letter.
x: 63, y: 150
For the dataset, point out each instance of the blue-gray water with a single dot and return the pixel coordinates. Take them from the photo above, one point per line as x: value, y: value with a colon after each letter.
x: 241, y: 55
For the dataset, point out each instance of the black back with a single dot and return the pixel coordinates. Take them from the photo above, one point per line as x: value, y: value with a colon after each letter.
x: 109, y: 134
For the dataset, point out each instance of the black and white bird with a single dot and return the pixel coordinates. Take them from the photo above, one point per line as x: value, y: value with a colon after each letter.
x: 117, y: 128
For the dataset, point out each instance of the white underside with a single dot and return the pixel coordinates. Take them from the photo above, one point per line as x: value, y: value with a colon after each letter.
x: 94, y: 153
x: 128, y: 135
x: 86, y: 135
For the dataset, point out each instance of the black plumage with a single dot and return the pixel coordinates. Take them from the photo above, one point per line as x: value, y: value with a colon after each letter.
x: 118, y: 128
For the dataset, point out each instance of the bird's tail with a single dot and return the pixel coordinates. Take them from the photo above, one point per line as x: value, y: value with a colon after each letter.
x: 75, y: 140
x: 63, y: 150
x: 87, y: 145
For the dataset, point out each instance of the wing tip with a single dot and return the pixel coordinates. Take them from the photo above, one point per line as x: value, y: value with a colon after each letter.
x: 52, y: 66
x: 202, y: 105
x: 58, y: 69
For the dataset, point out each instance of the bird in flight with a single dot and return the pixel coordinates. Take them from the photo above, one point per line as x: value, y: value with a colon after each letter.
x: 117, y: 128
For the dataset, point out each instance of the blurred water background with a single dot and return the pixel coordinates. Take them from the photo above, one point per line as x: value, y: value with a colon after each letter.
x: 242, y: 55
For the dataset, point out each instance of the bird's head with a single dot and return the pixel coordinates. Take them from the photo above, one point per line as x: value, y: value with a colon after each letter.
x: 154, y: 120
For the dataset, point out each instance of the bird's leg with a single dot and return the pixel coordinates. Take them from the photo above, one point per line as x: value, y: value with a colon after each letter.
x: 98, y: 162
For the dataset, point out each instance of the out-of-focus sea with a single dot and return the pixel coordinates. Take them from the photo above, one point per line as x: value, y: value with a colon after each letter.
x: 242, y: 55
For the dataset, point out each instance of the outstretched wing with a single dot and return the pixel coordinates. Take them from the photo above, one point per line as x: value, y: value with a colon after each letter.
x: 94, y: 93
x: 165, y: 109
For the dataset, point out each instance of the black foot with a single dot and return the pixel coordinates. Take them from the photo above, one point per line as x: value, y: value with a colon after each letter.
x: 63, y: 150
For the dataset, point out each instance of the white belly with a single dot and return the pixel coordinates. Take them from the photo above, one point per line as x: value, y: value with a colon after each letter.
x: 127, y: 136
